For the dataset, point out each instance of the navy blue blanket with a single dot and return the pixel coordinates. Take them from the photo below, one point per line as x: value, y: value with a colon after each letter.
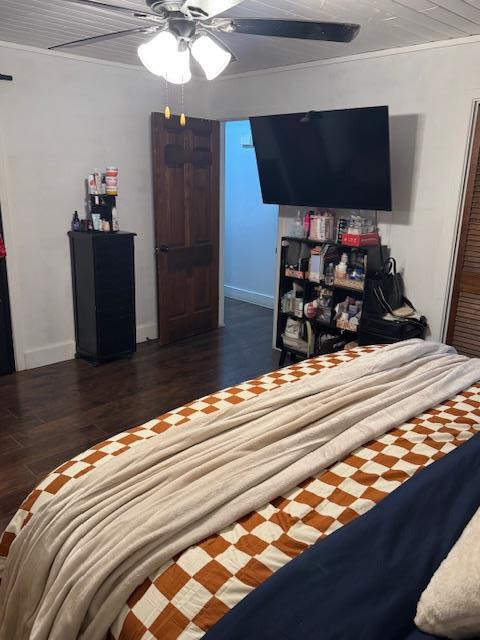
x: 364, y: 581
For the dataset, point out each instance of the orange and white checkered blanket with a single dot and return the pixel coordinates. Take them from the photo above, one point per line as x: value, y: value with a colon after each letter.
x: 187, y: 596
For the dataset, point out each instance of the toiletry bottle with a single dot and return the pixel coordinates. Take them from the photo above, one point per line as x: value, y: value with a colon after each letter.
x: 341, y: 269
x: 75, y: 222
x: 298, y: 231
x: 329, y: 275
x: 306, y: 223
x: 115, y: 223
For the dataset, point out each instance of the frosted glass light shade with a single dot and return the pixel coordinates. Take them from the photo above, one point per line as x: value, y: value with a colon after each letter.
x: 211, y: 57
x: 155, y: 55
x: 178, y: 68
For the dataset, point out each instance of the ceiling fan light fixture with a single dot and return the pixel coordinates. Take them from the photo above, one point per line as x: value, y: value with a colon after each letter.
x: 156, y: 53
x: 178, y: 67
x: 211, y: 56
x: 165, y: 56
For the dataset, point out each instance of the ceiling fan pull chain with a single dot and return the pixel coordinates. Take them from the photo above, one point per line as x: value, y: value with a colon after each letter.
x: 168, y: 113
x: 183, y: 119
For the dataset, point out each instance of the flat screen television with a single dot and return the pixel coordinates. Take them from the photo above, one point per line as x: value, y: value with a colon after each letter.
x: 336, y: 159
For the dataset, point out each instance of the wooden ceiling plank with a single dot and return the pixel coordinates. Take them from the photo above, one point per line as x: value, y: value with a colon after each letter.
x: 425, y: 19
x: 386, y: 24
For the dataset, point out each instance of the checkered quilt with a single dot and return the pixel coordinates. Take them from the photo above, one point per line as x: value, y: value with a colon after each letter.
x: 188, y: 595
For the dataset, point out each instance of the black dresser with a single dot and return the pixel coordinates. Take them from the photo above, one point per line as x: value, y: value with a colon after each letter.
x: 103, y: 275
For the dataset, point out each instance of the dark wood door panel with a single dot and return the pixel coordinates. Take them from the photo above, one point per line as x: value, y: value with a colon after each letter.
x: 186, y: 194
x: 199, y: 209
x: 173, y: 227
x: 188, y: 257
x: 202, y: 286
x: 200, y: 323
x: 176, y: 289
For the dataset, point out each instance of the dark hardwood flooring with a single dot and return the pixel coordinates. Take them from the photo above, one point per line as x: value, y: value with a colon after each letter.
x: 50, y: 414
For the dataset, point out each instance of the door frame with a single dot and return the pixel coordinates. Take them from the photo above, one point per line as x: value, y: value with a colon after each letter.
x: 221, y: 228
x: 15, y: 297
x: 461, y: 225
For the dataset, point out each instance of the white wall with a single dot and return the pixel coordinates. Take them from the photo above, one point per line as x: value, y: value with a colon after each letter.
x: 430, y: 92
x: 60, y: 118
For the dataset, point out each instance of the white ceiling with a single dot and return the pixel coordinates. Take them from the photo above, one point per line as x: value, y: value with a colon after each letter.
x: 385, y: 24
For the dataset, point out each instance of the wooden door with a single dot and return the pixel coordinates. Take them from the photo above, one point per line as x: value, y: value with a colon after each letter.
x: 7, y: 361
x: 464, y: 321
x: 186, y: 198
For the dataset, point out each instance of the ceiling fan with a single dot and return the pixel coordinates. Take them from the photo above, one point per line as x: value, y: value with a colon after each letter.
x: 184, y: 27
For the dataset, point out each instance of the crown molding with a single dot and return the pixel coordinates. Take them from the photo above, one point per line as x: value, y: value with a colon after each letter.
x: 369, y: 55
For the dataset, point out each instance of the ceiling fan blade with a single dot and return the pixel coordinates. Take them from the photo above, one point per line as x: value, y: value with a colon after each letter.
x: 303, y: 30
x: 205, y: 9
x: 131, y: 13
x: 106, y: 36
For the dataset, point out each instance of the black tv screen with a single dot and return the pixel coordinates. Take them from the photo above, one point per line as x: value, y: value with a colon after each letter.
x: 336, y: 159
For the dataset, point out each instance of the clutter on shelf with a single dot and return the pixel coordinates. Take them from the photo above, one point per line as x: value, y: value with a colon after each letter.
x: 292, y: 301
x: 348, y: 314
x: 297, y: 229
x: 102, y: 215
x: 105, y: 183
x: 343, y: 290
x: 299, y: 336
x: 359, y: 231
x: 322, y: 227
x: 356, y: 230
x: 321, y: 293
x: 350, y: 271
x: 321, y: 308
x: 323, y: 257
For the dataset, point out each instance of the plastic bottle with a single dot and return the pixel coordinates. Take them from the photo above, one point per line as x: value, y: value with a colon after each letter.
x: 297, y: 229
x: 307, y: 219
x: 341, y: 269
x: 115, y: 223
x: 329, y: 274
x: 75, y: 222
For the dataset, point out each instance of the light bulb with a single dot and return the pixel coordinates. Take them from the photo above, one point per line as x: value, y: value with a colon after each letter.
x: 155, y: 55
x: 178, y: 67
x: 212, y: 57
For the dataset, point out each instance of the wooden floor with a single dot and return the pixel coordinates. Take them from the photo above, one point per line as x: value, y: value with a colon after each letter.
x: 50, y: 414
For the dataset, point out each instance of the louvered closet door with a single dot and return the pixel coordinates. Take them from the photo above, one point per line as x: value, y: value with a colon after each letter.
x: 464, y: 322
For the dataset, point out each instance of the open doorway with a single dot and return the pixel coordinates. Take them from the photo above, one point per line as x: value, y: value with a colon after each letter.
x: 7, y: 361
x: 250, y: 236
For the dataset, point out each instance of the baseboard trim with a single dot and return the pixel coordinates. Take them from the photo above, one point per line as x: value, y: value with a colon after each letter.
x: 147, y: 332
x: 49, y: 355
x: 66, y: 350
x: 245, y: 295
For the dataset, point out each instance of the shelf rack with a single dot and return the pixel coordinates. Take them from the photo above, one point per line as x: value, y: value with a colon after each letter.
x: 374, y: 259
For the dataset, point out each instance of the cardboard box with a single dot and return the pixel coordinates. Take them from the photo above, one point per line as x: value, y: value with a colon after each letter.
x: 362, y: 240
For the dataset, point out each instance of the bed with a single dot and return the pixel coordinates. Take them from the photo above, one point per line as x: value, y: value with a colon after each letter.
x: 188, y: 595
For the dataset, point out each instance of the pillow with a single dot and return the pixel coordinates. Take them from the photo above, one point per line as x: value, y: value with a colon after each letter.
x: 450, y: 605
